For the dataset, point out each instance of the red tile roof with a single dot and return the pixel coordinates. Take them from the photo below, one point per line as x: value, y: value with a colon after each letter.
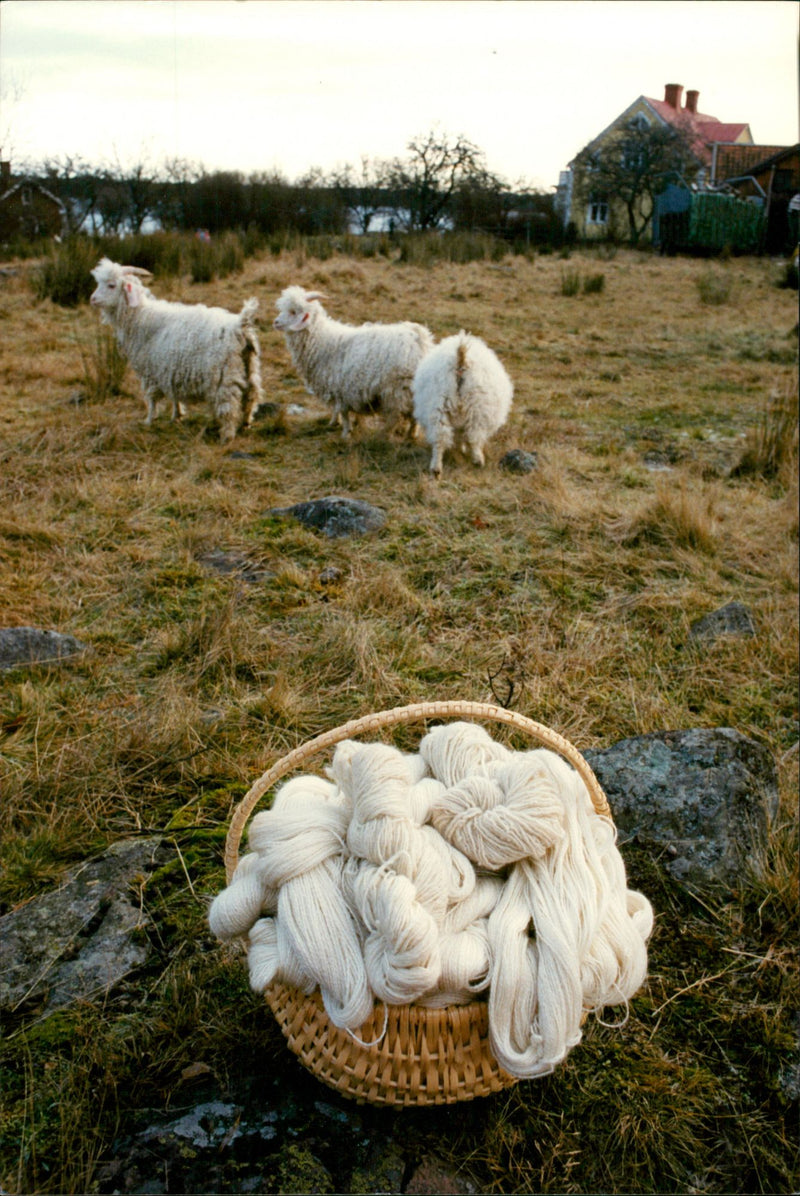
x: 705, y: 129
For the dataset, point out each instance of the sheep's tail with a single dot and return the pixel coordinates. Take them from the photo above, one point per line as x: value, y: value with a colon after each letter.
x: 247, y: 314
x: 461, y: 359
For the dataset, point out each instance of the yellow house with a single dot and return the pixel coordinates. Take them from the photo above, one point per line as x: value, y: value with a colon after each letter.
x: 595, y: 212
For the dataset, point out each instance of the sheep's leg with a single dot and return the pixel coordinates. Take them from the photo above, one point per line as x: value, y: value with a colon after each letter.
x: 440, y: 436
x: 227, y: 401
x: 228, y: 410
x: 151, y: 395
x: 178, y: 409
x: 435, y: 466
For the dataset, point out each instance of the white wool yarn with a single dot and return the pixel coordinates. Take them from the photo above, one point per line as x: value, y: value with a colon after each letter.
x: 270, y: 957
x: 458, y: 750
x: 235, y: 909
x: 466, y: 869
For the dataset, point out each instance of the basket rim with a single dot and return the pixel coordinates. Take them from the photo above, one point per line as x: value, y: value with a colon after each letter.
x: 412, y: 713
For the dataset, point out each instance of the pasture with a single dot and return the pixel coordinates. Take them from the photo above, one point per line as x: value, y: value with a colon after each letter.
x: 662, y: 407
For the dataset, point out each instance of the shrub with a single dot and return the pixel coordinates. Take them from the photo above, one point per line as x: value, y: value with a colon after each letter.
x: 570, y: 282
x: 65, y: 277
x: 202, y: 261
x: 229, y: 255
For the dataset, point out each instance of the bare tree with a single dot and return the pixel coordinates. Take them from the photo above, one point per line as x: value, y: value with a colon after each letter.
x: 173, y: 193
x: 424, y: 184
x: 634, y: 166
x: 363, y: 190
x: 77, y: 184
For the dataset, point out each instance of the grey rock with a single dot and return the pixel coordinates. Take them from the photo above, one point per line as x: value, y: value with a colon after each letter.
x: 658, y: 462
x: 77, y: 941
x: 731, y: 619
x: 207, y: 1125
x: 31, y: 645
x: 335, y: 516
x: 330, y: 575
x: 705, y: 796
x: 518, y: 461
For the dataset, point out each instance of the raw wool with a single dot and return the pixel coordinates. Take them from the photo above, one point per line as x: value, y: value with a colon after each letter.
x: 357, y: 369
x: 183, y: 352
x: 461, y: 390
x: 434, y: 878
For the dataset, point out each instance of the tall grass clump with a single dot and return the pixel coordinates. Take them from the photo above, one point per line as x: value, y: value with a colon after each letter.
x: 594, y: 284
x: 104, y: 365
x: 65, y: 277
x: 423, y: 249
x: 771, y: 449
x: 161, y: 253
x: 202, y: 261
x: 570, y: 283
x: 713, y: 288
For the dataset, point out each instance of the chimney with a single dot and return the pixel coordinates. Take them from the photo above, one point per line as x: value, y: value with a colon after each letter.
x: 672, y: 95
x: 691, y: 102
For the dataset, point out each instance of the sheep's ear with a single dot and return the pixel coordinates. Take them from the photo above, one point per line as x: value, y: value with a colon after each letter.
x: 132, y: 293
x: 137, y: 270
x: 310, y: 295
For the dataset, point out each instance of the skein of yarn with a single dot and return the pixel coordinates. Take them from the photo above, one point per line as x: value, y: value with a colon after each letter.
x: 435, y: 878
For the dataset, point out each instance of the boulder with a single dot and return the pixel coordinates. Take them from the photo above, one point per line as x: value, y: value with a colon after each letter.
x: 732, y: 619
x: 518, y: 461
x: 77, y: 941
x: 704, y: 796
x: 335, y: 516
x: 31, y: 645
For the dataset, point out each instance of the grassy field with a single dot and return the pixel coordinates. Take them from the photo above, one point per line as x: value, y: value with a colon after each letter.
x: 662, y: 406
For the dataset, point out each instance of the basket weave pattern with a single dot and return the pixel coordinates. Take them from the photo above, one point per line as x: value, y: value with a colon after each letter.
x: 407, y: 1055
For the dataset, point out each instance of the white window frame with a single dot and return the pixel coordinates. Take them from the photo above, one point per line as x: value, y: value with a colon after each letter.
x: 597, y: 211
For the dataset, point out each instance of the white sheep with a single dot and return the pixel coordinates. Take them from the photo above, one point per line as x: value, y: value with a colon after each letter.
x: 183, y: 351
x: 461, y: 387
x: 354, y: 369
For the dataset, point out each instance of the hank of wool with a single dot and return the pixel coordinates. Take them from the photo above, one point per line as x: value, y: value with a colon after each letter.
x: 465, y: 869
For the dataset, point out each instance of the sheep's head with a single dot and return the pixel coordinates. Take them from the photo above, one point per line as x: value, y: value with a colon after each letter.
x: 117, y: 284
x: 296, y: 309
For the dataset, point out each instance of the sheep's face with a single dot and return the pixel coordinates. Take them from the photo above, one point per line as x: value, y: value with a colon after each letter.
x: 116, y: 285
x: 108, y: 291
x: 296, y: 309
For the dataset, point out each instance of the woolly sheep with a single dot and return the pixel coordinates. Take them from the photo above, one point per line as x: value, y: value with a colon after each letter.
x: 355, y: 369
x: 183, y: 351
x: 461, y: 387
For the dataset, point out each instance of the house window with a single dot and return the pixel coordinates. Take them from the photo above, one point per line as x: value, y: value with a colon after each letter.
x: 597, y: 212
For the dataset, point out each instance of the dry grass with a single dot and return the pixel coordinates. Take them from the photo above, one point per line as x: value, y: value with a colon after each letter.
x: 567, y: 592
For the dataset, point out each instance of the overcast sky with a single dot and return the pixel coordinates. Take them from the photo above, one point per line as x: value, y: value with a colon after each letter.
x: 290, y: 84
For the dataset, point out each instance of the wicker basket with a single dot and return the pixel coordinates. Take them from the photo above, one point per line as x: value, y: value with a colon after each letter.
x: 413, y: 1055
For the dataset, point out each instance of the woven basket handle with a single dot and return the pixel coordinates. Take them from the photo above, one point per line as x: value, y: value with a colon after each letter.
x: 419, y: 712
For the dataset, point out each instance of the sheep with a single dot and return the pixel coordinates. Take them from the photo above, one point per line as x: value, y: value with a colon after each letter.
x: 183, y: 351
x: 461, y: 386
x: 354, y: 369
